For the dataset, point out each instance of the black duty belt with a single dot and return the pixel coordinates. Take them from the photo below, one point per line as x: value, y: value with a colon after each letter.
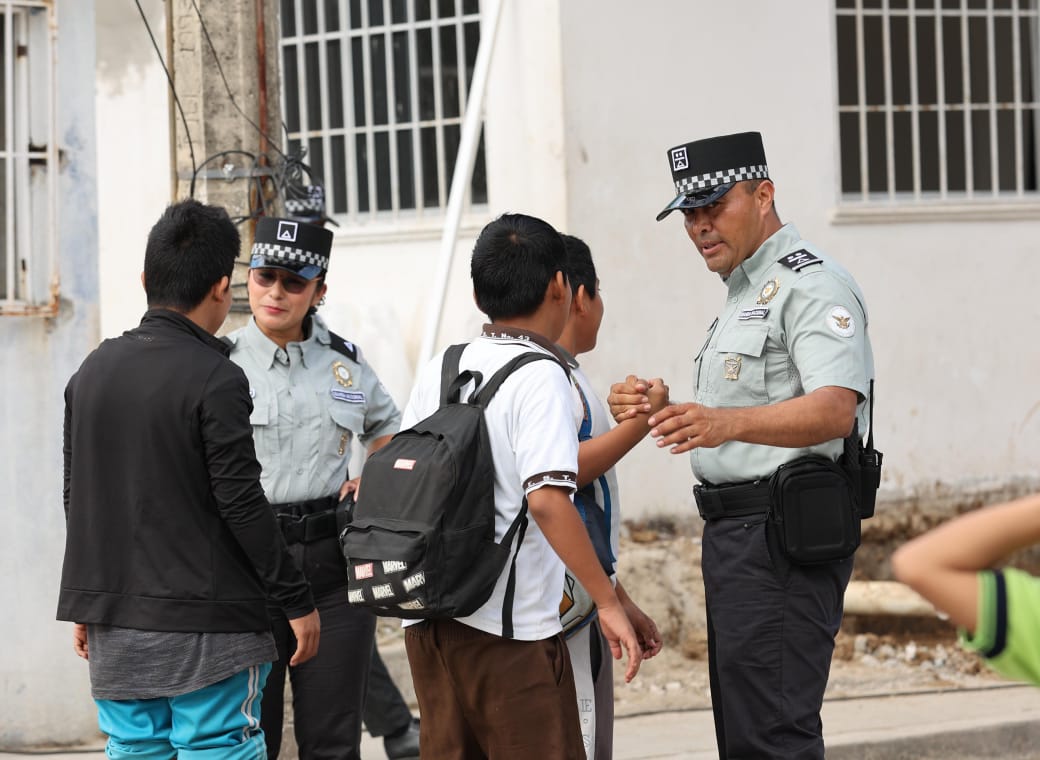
x: 307, y: 521
x: 732, y: 499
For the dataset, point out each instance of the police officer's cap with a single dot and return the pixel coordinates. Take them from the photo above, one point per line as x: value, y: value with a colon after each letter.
x: 298, y: 247
x: 705, y: 170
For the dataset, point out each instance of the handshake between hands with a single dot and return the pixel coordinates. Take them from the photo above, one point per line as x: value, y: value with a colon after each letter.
x: 681, y: 426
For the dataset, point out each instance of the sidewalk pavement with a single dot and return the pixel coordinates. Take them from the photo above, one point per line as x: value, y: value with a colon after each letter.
x: 995, y: 722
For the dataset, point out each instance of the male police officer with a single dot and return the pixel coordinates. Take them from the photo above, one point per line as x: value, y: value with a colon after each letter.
x: 784, y: 372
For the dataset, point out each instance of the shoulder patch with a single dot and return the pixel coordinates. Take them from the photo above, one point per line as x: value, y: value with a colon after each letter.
x: 799, y: 260
x: 343, y: 346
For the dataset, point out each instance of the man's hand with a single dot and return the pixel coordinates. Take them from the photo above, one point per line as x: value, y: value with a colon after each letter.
x: 657, y: 393
x: 79, y: 640
x: 307, y: 630
x: 620, y: 635
x: 629, y: 398
x: 689, y: 426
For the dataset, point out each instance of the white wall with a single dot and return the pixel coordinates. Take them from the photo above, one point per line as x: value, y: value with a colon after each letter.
x: 584, y: 98
x: 44, y: 696
x: 953, y: 304
x: 133, y: 151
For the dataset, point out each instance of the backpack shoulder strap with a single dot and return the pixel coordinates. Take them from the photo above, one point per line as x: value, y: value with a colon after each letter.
x: 484, y: 395
x: 450, y: 371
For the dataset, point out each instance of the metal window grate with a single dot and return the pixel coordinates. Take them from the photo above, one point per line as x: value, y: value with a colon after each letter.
x: 937, y: 99
x: 375, y: 92
x: 28, y: 155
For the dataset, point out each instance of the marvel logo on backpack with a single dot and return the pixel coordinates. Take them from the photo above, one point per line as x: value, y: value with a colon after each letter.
x: 420, y: 541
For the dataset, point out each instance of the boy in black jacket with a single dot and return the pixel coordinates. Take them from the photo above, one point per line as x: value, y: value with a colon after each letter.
x: 172, y: 549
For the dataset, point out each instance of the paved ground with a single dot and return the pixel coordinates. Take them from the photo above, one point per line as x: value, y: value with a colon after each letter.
x: 1001, y: 722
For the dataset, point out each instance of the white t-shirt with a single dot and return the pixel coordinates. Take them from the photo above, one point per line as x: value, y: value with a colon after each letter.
x: 532, y: 424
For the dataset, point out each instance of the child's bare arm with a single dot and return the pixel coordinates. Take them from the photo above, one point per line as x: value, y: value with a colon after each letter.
x: 599, y: 454
x: 941, y: 565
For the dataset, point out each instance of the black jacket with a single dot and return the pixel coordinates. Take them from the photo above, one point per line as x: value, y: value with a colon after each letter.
x: 168, y: 526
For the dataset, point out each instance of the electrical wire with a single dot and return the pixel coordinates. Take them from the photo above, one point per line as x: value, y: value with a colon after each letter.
x: 231, y: 97
x: 180, y: 108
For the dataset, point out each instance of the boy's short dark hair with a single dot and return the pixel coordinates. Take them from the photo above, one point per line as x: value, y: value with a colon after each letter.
x: 514, y: 259
x: 189, y: 249
x: 580, y: 269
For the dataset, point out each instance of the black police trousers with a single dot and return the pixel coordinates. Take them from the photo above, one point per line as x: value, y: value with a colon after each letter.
x: 328, y: 690
x: 771, y: 629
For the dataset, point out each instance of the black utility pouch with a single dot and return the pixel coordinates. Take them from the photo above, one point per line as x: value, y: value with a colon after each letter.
x: 814, y: 510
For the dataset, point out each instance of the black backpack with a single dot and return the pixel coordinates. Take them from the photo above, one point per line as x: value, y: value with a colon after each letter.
x: 421, y: 538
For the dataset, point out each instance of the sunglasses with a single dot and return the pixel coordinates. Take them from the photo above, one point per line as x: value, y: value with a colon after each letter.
x: 266, y: 278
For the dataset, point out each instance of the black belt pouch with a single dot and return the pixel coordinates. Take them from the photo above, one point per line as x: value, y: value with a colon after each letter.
x: 814, y: 510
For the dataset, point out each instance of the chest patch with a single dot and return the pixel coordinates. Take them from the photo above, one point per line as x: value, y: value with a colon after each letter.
x: 769, y: 290
x: 759, y: 313
x: 351, y: 397
x: 731, y: 368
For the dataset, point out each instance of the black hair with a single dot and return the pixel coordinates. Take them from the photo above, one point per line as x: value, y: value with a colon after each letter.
x: 189, y: 249
x: 580, y: 269
x: 514, y: 259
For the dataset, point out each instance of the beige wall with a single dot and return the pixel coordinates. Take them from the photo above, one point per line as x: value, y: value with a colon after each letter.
x: 584, y: 98
x: 953, y: 304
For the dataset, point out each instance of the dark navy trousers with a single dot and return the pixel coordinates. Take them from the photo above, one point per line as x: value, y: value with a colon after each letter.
x: 771, y: 629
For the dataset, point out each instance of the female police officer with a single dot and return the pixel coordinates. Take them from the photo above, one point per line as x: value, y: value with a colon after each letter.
x: 312, y: 393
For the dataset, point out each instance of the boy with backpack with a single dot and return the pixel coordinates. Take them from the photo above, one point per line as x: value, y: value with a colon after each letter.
x: 601, y: 446
x: 483, y: 690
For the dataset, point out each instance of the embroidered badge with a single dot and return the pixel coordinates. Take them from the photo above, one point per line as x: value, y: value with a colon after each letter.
x: 287, y: 231
x: 841, y: 322
x: 799, y: 260
x: 768, y: 291
x: 746, y: 314
x: 342, y: 374
x: 352, y: 397
x: 732, y: 368
x: 679, y: 159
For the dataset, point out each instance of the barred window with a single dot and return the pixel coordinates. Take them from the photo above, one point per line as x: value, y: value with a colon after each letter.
x: 28, y: 157
x: 937, y: 99
x: 374, y: 91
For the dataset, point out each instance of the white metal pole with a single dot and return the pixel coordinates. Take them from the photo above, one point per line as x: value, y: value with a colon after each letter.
x: 468, y: 142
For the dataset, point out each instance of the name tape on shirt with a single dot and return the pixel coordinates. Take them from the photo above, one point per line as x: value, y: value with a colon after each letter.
x: 352, y: 397
x: 759, y: 313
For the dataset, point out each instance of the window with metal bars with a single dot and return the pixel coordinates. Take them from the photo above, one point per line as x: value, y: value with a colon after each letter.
x: 937, y: 99
x: 374, y: 92
x: 28, y: 157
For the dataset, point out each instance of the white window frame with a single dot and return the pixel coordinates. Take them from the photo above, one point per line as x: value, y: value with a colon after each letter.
x: 29, y: 158
x: 420, y: 221
x: 919, y: 205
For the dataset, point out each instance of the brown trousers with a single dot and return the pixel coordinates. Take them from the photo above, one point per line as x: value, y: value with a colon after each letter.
x: 483, y: 697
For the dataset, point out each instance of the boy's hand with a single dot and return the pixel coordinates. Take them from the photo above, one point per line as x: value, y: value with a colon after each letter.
x: 307, y: 630
x: 79, y: 640
x: 646, y: 629
x: 619, y: 634
x: 629, y: 398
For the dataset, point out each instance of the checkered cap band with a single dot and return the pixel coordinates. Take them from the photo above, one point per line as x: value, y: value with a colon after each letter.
x: 274, y: 252
x: 688, y: 185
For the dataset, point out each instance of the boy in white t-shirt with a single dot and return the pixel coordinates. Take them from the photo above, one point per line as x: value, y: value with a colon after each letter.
x: 480, y: 694
x: 601, y: 445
